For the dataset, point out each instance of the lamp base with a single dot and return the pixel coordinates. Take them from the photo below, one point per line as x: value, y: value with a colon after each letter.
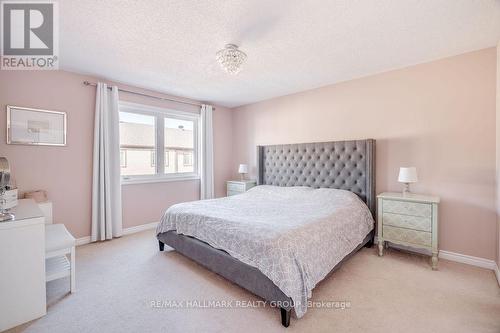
x: 406, y: 189
x: 242, y: 176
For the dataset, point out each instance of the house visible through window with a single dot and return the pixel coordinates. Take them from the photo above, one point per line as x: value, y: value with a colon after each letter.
x: 123, y: 158
x: 167, y: 157
x: 188, y: 159
x: 141, y: 149
x: 153, y: 159
x: 179, y: 141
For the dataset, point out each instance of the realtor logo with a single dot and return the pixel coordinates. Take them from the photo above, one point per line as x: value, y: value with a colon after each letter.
x: 29, y: 35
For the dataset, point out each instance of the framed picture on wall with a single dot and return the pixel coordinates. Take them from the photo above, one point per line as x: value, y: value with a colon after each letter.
x: 27, y: 126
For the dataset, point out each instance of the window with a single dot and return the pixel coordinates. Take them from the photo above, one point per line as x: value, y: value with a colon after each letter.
x: 151, y: 137
x: 123, y: 158
x: 137, y: 140
x: 167, y: 158
x: 188, y: 159
x: 179, y: 141
x: 153, y: 158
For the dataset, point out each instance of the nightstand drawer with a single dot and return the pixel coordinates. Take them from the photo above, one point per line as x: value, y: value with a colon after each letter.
x: 236, y: 187
x: 230, y: 193
x: 408, y: 221
x: 407, y: 236
x: 239, y: 186
x: 407, y: 208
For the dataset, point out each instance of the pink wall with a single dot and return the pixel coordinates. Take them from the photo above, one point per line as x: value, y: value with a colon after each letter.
x: 438, y: 116
x: 65, y: 172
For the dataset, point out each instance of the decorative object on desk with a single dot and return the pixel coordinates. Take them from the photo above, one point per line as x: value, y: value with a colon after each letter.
x: 242, y: 170
x: 26, y: 126
x: 39, y: 196
x: 4, y: 172
x: 8, y: 196
x: 407, y: 175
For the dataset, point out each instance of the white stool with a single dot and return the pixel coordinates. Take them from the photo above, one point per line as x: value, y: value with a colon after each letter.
x: 58, y: 244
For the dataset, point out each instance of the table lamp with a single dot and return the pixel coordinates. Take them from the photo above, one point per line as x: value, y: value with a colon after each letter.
x: 242, y: 170
x: 407, y: 175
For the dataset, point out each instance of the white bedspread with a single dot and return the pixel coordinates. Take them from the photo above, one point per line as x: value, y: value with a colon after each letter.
x: 294, y: 235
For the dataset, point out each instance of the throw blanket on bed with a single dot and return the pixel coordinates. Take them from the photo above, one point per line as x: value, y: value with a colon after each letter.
x: 294, y: 235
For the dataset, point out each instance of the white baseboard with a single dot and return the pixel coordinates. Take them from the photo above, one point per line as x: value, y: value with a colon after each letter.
x: 83, y: 240
x: 126, y: 231
x: 470, y: 260
x: 139, y: 228
x: 497, y: 273
x: 457, y: 257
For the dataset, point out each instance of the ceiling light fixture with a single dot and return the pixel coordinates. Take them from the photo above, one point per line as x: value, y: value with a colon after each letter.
x: 231, y: 59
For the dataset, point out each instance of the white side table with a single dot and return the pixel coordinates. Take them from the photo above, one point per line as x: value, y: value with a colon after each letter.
x: 409, y: 220
x: 239, y: 186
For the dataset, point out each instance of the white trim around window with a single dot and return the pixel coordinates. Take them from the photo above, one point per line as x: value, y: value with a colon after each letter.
x: 147, y: 179
x: 160, y: 114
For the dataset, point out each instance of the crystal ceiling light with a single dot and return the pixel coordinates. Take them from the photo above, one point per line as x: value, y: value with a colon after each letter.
x: 231, y: 59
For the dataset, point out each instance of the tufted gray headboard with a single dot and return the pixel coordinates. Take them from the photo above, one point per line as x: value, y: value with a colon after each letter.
x: 345, y: 165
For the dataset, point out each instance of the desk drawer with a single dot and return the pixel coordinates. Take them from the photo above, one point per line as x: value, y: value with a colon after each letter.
x: 407, y: 208
x: 408, y: 221
x: 407, y: 235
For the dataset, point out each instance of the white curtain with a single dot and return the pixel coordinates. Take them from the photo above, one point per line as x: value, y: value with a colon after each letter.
x: 106, y: 188
x: 207, y: 153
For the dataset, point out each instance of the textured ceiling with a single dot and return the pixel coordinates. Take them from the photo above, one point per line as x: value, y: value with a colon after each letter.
x: 292, y: 45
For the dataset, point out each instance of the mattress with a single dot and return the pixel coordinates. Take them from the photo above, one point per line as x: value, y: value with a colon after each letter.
x: 293, y: 235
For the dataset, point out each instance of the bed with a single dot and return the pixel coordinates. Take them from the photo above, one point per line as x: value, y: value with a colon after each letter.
x: 313, y: 209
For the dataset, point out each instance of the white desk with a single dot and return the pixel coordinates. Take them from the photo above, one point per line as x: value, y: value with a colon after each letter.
x: 22, y: 266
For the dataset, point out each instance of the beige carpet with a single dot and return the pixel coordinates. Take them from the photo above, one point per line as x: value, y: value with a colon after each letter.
x: 117, y: 280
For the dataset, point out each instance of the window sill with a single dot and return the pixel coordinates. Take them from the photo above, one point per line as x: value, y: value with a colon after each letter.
x: 151, y: 180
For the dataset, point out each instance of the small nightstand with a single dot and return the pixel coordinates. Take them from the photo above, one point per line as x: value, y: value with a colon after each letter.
x: 239, y: 186
x: 409, y: 220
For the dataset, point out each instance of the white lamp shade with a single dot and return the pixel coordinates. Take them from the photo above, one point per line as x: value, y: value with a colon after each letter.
x: 407, y: 175
x: 243, y: 168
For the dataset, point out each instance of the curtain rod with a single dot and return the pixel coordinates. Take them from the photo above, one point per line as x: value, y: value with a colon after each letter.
x: 87, y: 83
